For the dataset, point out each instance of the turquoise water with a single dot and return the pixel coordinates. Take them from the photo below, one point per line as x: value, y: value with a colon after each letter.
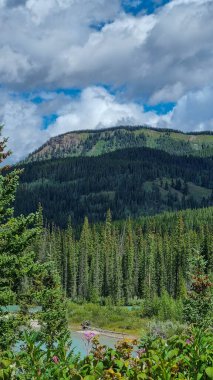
x: 16, y: 308
x: 79, y: 344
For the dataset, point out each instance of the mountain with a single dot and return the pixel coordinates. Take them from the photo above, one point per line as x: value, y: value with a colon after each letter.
x: 131, y: 182
x: 94, y: 143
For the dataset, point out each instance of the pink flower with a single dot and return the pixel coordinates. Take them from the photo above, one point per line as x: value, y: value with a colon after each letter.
x: 55, y: 359
x: 89, y: 335
x: 188, y: 341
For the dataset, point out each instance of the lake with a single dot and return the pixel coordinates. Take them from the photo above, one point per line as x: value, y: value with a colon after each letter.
x: 79, y: 343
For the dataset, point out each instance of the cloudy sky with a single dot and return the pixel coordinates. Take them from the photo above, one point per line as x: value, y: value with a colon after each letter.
x: 85, y: 64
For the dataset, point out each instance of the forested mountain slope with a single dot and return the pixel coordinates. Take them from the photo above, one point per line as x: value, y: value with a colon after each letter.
x: 131, y: 182
x: 94, y: 143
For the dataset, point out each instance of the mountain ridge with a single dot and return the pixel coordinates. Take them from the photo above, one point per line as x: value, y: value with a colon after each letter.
x: 106, y: 140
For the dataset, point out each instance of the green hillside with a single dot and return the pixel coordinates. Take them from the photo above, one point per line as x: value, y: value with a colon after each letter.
x: 94, y: 143
x: 131, y: 182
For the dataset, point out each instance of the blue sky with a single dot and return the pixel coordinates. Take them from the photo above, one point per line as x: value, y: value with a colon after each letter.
x: 84, y: 64
x: 146, y: 6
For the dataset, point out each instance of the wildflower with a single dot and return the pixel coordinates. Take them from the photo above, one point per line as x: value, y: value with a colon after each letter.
x: 55, y: 359
x: 188, y: 341
x: 89, y: 335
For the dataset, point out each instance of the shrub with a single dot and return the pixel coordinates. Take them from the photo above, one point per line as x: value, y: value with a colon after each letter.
x: 185, y: 356
x: 164, y: 308
x: 198, y: 305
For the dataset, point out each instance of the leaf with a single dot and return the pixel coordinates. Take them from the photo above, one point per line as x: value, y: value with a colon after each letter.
x: 209, y: 372
x: 142, y: 376
x: 119, y: 363
x: 89, y: 377
x: 5, y: 363
x: 172, y: 353
x: 199, y: 376
x: 99, y: 366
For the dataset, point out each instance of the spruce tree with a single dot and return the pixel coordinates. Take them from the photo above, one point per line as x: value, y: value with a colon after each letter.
x: 83, y: 267
x: 129, y: 264
x: 27, y: 274
x: 16, y: 259
x: 71, y: 263
x: 108, y: 249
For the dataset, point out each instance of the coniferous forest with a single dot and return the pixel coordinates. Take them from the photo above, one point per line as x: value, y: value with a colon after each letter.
x: 106, y: 190
x: 132, y: 258
x: 154, y: 271
x: 129, y: 182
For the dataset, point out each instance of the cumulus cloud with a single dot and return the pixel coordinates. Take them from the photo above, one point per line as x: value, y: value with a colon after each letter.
x: 194, y: 111
x: 94, y: 108
x: 97, y: 108
x: 166, y: 56
x: 22, y: 125
x: 158, y: 58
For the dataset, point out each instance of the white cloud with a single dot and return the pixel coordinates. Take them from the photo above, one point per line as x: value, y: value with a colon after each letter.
x: 97, y: 108
x: 194, y: 111
x: 13, y: 65
x: 159, y: 57
x: 94, y: 108
x: 163, y: 57
x: 22, y: 125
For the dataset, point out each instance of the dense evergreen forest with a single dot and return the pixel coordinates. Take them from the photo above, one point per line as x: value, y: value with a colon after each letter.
x: 123, y: 260
x: 97, y: 142
x: 166, y: 257
x: 131, y: 182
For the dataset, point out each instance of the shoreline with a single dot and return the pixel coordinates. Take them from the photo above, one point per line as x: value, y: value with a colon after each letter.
x: 107, y: 333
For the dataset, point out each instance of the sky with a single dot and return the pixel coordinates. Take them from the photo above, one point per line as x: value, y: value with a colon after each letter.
x: 85, y: 64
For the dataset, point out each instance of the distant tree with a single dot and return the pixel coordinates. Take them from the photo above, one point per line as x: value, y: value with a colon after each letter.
x: 185, y: 188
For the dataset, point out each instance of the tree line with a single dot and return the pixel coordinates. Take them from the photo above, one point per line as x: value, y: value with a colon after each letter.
x: 120, y: 261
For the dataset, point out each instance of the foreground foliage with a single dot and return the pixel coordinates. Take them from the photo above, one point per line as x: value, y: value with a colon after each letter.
x: 27, y: 280
x: 189, y: 356
x: 30, y: 276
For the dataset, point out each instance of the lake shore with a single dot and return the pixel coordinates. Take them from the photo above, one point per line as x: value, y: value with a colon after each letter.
x: 104, y: 332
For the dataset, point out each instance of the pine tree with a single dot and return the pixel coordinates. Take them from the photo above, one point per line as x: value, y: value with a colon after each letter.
x: 96, y: 279
x: 149, y: 275
x: 129, y: 264
x: 180, y: 259
x: 117, y: 267
x: 25, y: 278
x: 71, y: 263
x: 160, y: 268
x: 83, y: 268
x: 108, y: 249
x: 16, y: 260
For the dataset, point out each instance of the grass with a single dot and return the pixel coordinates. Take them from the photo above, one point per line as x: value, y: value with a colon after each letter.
x: 113, y: 318
x: 136, y: 321
x: 197, y: 192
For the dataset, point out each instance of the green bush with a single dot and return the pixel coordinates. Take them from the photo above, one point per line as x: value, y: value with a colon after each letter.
x: 186, y: 356
x: 164, y: 308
